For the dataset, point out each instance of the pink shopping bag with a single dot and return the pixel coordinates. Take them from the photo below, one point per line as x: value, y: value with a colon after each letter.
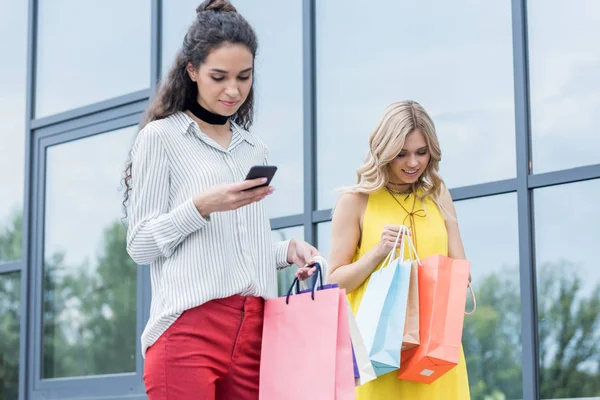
x: 307, y: 337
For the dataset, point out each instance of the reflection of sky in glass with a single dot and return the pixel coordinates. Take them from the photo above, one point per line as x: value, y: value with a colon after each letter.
x: 324, y: 238
x: 569, y: 230
x: 489, y: 232
x: 82, y: 193
x: 13, y: 84
x: 564, y: 56
x: 278, y: 113
x: 459, y: 67
x: 89, y: 51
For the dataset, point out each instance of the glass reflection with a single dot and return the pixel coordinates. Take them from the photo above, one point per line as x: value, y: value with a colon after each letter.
x: 89, y: 297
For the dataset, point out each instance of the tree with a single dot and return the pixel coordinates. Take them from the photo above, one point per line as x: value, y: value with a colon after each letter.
x: 10, y: 312
x: 10, y: 239
x: 10, y: 292
x: 569, y: 332
x: 94, y: 330
x: 492, y: 339
x: 569, y: 335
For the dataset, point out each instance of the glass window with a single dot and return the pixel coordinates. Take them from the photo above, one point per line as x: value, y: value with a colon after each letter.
x: 564, y: 70
x: 278, y: 86
x: 492, y: 336
x: 90, y: 281
x: 568, y: 289
x: 10, y: 314
x: 458, y: 67
x: 285, y: 277
x: 324, y: 238
x: 13, y: 81
x: 89, y: 51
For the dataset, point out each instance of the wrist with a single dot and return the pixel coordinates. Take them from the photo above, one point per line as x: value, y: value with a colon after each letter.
x: 379, y: 252
x: 291, y: 251
x: 201, y: 206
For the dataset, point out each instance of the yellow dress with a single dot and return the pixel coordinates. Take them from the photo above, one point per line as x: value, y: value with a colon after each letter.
x: 431, y: 238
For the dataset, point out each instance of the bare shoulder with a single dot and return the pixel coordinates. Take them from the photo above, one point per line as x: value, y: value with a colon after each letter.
x: 351, y: 205
x: 446, y: 201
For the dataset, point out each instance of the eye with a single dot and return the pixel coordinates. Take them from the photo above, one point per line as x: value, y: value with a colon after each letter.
x: 244, y: 78
x: 422, y: 152
x: 401, y: 155
x: 217, y: 78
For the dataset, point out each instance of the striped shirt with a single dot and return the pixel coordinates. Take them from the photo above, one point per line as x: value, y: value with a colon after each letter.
x: 192, y: 259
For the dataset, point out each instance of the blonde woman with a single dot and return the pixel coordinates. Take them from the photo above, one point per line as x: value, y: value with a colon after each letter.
x: 398, y: 185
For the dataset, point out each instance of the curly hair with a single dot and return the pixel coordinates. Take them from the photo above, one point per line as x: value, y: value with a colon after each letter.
x: 386, y: 142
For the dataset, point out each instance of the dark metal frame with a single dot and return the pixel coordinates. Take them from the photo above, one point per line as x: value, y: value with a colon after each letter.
x: 126, y: 110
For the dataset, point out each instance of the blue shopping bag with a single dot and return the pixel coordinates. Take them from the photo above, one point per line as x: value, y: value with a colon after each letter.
x: 382, y: 313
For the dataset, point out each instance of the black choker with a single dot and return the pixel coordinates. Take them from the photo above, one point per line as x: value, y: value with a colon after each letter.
x: 204, y: 115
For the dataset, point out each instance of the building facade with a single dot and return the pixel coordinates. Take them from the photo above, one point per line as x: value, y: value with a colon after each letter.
x: 514, y: 90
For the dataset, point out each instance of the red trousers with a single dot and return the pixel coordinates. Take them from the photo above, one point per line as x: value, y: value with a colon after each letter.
x: 211, y: 352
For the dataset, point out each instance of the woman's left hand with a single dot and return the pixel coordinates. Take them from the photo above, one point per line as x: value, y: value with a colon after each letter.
x: 302, y: 254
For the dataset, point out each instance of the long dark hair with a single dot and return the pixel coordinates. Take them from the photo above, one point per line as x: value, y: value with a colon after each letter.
x: 217, y: 23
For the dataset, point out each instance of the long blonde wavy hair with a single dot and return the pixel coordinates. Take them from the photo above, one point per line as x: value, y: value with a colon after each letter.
x: 386, y: 142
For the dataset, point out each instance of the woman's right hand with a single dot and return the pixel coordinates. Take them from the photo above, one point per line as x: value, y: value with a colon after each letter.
x: 388, y: 238
x: 231, y: 196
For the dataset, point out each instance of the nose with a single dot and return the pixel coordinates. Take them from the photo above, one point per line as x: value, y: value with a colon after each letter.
x: 412, y: 161
x: 232, y: 90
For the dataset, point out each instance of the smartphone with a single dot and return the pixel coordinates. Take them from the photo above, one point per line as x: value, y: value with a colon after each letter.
x: 261, y: 171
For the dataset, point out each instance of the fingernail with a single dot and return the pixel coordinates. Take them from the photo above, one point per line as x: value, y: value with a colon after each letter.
x: 263, y: 180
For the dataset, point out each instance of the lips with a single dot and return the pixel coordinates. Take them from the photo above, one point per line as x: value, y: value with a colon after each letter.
x: 410, y: 172
x: 229, y: 103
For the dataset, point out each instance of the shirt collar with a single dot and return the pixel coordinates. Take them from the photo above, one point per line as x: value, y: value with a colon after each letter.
x: 189, y: 126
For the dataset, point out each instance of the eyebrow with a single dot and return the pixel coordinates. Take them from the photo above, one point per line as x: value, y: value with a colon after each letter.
x: 221, y: 71
x: 422, y: 148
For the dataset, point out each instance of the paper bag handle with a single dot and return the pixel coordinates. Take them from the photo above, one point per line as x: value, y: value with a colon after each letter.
x: 296, y: 284
x: 474, y: 300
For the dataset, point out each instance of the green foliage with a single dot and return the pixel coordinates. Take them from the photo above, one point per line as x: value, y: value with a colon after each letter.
x: 569, y: 334
x: 89, y: 312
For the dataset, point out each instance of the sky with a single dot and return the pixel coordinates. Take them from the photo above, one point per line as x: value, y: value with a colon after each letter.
x: 457, y: 64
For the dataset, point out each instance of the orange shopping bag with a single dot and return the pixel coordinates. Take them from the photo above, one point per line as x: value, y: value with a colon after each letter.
x: 442, y: 298
x: 307, y: 336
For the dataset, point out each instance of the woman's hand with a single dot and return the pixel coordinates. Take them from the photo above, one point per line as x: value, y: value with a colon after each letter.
x: 231, y: 196
x: 388, y: 238
x: 302, y: 254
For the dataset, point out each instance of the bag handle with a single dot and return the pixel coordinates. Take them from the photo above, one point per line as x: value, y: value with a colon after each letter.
x: 324, y: 270
x: 411, y: 247
x: 388, y: 259
x: 474, y: 300
x: 296, y: 283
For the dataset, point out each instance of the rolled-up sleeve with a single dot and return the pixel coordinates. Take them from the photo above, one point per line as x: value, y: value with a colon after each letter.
x: 280, y: 249
x: 154, y: 229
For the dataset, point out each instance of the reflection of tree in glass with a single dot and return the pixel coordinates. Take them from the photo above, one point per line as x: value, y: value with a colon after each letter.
x: 568, y: 330
x: 10, y: 239
x: 10, y: 293
x: 89, y: 313
x: 492, y: 339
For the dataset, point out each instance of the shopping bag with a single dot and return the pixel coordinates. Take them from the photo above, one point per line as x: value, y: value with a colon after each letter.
x: 363, y: 369
x: 442, y: 298
x: 411, y: 326
x: 307, y: 333
x: 382, y: 311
